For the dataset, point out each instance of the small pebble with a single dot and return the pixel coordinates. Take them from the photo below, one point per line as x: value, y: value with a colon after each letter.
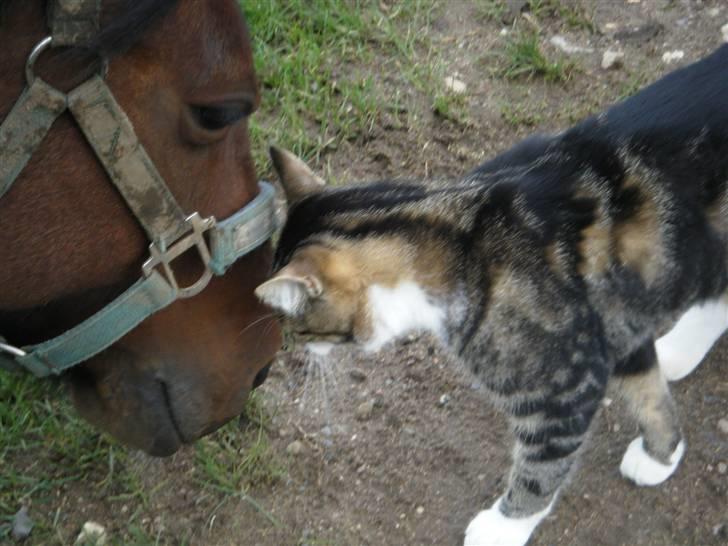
x: 22, y: 524
x: 295, y: 448
x: 358, y: 375
x: 420, y: 510
x: 612, y: 59
x: 672, y: 56
x: 616, y: 427
x: 92, y: 533
x: 724, y: 31
x: 364, y: 410
x: 713, y: 12
x: 722, y: 468
x: 455, y: 85
x: 567, y: 47
x: 444, y: 400
x: 723, y: 426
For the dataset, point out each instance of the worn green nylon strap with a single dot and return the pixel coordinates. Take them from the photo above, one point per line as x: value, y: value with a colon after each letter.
x: 244, y: 231
x: 230, y: 239
x: 145, y: 297
x: 128, y: 165
x: 25, y: 127
x: 74, y: 22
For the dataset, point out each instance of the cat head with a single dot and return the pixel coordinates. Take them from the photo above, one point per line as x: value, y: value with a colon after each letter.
x: 320, y: 275
x: 355, y: 261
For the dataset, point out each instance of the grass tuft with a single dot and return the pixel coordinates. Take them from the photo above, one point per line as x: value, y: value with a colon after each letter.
x: 306, y: 53
x: 523, y: 58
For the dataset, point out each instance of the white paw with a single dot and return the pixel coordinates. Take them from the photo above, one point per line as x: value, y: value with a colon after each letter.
x: 681, y: 350
x: 492, y: 528
x: 642, y: 469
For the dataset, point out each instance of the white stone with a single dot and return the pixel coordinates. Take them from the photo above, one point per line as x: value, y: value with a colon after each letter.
x: 723, y: 425
x: 724, y: 31
x: 672, y: 56
x: 567, y: 47
x: 612, y: 59
x: 295, y: 448
x: 713, y: 12
x: 455, y: 85
x: 364, y: 410
x: 92, y: 533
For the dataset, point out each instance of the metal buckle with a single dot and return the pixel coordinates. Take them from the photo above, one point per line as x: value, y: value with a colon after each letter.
x: 38, y: 50
x: 165, y: 255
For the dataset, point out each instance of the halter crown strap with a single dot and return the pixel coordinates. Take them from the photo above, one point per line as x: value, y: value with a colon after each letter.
x: 74, y: 22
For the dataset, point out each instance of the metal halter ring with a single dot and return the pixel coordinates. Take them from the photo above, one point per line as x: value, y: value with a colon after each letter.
x: 10, y: 349
x: 39, y: 49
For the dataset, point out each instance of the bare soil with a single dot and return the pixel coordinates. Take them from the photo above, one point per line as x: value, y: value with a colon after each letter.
x: 403, y: 448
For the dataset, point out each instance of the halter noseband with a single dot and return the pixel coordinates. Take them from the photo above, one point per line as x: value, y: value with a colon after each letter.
x: 171, y: 231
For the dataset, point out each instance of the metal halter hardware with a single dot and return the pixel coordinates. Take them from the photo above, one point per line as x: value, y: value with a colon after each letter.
x: 160, y: 254
x: 171, y: 232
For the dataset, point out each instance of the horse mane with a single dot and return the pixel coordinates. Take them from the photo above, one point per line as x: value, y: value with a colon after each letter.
x: 128, y: 22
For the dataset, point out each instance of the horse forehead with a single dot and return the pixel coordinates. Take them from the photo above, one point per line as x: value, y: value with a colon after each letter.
x: 206, y: 43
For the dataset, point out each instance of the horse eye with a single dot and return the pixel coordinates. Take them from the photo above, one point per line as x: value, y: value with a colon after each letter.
x: 214, y: 118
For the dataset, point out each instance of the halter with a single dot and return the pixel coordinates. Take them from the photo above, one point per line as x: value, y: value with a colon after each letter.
x: 171, y: 231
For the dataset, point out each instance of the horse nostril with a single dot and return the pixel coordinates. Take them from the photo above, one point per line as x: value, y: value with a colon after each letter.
x: 260, y: 378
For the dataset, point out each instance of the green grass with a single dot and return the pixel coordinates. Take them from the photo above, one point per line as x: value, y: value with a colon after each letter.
x: 522, y: 114
x: 306, y: 57
x: 44, y: 447
x: 523, y: 58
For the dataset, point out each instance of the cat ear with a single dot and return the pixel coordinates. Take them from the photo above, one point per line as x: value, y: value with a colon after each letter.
x: 296, y: 177
x: 288, y: 292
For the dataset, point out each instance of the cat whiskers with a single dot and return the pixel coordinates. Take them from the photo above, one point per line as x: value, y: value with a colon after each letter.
x: 319, y: 380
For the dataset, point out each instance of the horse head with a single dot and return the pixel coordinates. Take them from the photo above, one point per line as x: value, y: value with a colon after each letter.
x: 182, y: 72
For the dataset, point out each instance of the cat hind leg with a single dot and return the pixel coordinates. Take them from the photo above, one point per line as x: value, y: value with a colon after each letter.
x: 654, y: 456
x: 684, y: 347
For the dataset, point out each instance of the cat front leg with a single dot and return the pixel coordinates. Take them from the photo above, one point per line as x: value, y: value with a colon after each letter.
x: 549, y: 432
x: 654, y: 456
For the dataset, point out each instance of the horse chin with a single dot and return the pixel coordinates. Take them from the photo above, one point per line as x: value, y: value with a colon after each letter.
x: 133, y: 401
x: 135, y: 410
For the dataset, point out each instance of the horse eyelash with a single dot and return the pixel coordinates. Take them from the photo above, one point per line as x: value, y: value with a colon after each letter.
x: 214, y: 118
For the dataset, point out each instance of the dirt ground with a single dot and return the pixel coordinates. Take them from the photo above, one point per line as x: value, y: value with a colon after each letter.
x: 403, y: 448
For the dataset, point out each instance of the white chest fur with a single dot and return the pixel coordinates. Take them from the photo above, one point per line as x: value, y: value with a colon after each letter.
x: 401, y: 309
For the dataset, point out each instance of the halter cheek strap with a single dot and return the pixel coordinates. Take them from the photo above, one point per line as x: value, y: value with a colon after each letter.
x: 130, y: 169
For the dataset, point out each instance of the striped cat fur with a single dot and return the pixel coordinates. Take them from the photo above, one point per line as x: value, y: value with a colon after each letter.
x: 548, y: 271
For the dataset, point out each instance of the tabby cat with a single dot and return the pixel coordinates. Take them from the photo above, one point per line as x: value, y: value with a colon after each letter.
x: 547, y: 271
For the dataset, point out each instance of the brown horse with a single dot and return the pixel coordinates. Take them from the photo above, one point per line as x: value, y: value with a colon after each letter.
x: 182, y: 71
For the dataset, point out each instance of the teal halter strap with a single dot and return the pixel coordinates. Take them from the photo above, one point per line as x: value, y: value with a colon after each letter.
x: 234, y: 237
